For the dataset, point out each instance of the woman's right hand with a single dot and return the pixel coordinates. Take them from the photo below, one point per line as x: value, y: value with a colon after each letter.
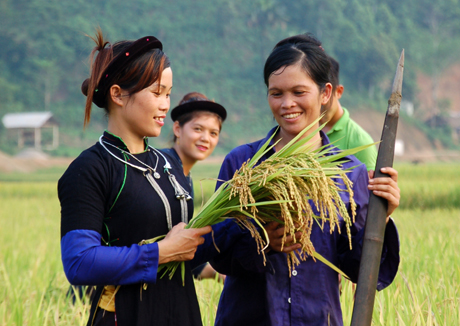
x: 180, y: 244
x: 275, y: 233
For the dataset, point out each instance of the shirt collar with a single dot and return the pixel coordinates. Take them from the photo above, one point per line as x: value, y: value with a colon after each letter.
x: 270, y: 133
x: 171, y: 151
x: 324, y: 141
x: 117, y: 141
x: 340, y: 124
x: 174, y: 153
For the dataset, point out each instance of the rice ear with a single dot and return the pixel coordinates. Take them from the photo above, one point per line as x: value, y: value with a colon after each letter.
x: 286, y: 188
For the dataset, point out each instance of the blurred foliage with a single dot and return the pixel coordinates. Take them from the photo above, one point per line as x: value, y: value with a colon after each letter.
x: 217, y: 47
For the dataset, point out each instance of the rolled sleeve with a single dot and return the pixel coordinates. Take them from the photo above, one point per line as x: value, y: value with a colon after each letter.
x: 390, y: 256
x: 389, y: 262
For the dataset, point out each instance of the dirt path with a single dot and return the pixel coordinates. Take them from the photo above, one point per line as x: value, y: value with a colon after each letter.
x: 27, y: 164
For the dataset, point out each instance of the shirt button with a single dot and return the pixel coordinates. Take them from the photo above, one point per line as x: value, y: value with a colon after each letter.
x: 294, y: 273
x: 289, y: 300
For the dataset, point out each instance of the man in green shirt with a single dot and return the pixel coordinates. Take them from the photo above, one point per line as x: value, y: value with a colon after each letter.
x: 342, y: 131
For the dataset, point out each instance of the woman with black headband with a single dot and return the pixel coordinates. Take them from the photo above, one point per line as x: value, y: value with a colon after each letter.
x: 197, y: 125
x: 122, y: 191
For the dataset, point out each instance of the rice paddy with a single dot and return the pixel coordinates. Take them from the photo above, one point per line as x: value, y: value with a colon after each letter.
x: 426, y: 290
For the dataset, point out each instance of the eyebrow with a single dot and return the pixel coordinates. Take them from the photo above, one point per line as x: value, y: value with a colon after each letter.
x: 296, y: 86
x: 161, y: 85
x: 201, y: 125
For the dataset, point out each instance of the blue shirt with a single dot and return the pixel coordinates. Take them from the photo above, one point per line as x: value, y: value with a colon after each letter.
x: 255, y: 294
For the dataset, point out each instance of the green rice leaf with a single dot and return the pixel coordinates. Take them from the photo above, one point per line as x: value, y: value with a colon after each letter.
x: 263, y: 150
x: 283, y: 189
x: 325, y: 261
x: 182, y: 272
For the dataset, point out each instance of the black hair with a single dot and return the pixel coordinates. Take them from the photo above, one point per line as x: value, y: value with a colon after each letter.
x: 141, y: 72
x: 334, y: 73
x: 136, y: 75
x: 301, y: 38
x: 312, y: 58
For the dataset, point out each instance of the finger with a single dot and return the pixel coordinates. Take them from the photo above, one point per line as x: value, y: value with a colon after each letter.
x: 178, y: 226
x: 272, y: 226
x: 384, y: 188
x: 276, y: 244
x: 392, y: 200
x: 384, y: 181
x: 298, y: 235
x: 391, y: 172
x: 289, y: 239
x: 204, y: 230
x: 276, y: 233
x: 279, y: 232
x: 288, y: 249
x: 387, y: 186
x: 380, y: 184
x: 370, y: 173
x: 187, y: 256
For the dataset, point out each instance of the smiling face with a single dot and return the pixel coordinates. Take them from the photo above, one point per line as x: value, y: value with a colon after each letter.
x: 295, y: 100
x: 197, y: 138
x: 143, y: 113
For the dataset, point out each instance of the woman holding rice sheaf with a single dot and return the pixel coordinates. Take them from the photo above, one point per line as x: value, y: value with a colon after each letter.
x: 122, y: 191
x: 297, y: 77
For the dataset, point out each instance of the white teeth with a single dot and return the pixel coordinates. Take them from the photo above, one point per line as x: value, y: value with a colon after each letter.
x: 159, y: 119
x: 291, y: 116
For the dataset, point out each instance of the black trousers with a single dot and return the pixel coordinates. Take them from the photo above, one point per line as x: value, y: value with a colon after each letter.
x: 104, y: 318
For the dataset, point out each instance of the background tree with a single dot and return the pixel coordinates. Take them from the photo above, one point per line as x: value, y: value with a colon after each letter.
x: 218, y: 47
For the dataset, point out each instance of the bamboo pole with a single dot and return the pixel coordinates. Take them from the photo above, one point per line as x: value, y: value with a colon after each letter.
x: 377, y: 212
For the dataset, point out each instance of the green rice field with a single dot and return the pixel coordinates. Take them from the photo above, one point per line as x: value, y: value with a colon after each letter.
x: 426, y: 290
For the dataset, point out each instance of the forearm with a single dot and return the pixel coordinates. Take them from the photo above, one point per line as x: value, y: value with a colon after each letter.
x: 86, y: 262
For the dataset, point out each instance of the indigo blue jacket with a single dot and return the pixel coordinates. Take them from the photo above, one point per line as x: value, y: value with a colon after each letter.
x: 255, y: 294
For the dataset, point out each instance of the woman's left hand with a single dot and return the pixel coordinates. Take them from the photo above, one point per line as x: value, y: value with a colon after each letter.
x: 386, y: 188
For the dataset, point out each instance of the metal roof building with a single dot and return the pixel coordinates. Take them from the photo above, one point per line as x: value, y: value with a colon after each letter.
x: 29, y: 125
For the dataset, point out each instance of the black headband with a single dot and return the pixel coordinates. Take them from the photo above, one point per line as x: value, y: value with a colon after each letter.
x: 198, y: 105
x: 134, y: 51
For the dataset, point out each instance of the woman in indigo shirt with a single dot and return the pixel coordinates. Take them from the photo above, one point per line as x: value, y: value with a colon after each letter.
x: 297, y: 77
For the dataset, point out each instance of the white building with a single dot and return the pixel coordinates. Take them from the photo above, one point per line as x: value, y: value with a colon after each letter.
x: 29, y: 127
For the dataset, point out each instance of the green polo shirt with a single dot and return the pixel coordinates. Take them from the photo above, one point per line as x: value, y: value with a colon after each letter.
x: 348, y: 134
